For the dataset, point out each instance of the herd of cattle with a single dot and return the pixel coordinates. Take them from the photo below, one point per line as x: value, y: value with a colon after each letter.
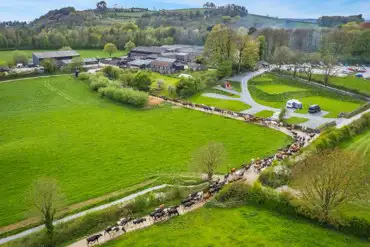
x: 245, y: 116
x: 162, y: 213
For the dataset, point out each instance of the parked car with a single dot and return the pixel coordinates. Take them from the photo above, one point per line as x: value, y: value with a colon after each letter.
x: 293, y: 103
x: 314, y: 109
x: 19, y: 65
x: 359, y: 75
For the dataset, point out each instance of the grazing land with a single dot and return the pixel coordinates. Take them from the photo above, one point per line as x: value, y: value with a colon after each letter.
x: 296, y: 120
x: 7, y: 56
x: 232, y: 105
x: 167, y: 81
x: 360, y: 144
x: 57, y: 127
x: 264, y: 114
x: 328, y: 101
x: 244, y: 226
x: 351, y: 82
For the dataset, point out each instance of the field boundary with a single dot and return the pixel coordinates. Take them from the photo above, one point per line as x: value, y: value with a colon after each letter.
x: 320, y: 85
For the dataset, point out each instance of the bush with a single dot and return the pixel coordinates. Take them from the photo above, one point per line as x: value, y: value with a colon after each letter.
x: 286, y: 204
x: 141, y: 81
x: 332, y: 136
x: 125, y: 95
x: 50, y: 65
x: 186, y: 87
x: 84, y: 76
x: 112, y: 73
x: 99, y: 82
x: 275, y: 176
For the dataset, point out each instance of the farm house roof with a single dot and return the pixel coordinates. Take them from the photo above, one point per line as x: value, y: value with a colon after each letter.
x: 56, y: 54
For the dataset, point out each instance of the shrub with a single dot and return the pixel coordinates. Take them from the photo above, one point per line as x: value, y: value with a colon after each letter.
x: 142, y: 81
x: 84, y: 76
x: 112, y: 73
x: 125, y: 95
x: 186, y: 87
x: 99, y: 82
x: 275, y: 176
x: 50, y: 65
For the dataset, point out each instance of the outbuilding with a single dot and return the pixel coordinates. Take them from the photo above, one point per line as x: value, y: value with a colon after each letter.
x: 38, y: 57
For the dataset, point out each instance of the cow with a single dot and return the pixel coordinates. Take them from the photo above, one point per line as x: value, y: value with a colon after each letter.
x: 139, y: 221
x: 124, y: 221
x: 172, y: 211
x: 93, y: 239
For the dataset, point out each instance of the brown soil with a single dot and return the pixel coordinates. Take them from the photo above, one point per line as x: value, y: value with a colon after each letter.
x: 154, y: 100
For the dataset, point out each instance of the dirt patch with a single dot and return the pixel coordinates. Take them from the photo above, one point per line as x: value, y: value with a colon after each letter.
x: 154, y: 101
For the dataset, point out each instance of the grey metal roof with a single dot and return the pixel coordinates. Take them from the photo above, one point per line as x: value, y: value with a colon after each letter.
x: 90, y: 60
x: 56, y: 54
x: 149, y: 49
x: 139, y: 62
x: 165, y: 59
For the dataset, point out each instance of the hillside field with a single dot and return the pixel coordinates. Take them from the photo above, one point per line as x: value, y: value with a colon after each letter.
x: 7, y: 56
x: 56, y: 127
x: 271, y: 90
x: 244, y: 226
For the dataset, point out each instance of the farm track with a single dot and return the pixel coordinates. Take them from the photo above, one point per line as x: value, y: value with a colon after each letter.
x: 83, y: 213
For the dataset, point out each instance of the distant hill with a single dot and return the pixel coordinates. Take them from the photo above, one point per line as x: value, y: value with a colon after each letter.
x: 301, y: 20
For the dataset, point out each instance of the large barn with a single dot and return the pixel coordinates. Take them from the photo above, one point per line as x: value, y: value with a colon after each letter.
x: 38, y: 57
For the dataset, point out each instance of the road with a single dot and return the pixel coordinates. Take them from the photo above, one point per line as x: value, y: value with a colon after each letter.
x: 314, y: 120
x: 78, y: 215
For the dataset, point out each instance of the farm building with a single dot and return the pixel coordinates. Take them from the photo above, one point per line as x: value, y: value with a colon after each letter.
x: 141, y: 52
x: 140, y: 64
x: 38, y: 57
x: 163, y: 65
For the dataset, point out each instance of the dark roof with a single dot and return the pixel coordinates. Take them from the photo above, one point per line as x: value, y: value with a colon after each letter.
x: 149, y: 49
x: 56, y: 54
x: 162, y: 61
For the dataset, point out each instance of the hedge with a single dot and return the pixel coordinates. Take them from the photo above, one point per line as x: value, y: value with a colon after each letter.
x: 125, y: 95
x: 286, y: 204
x: 331, y: 137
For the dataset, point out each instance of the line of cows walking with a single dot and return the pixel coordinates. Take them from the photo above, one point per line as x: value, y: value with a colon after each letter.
x: 159, y: 214
x: 247, y: 117
x: 258, y: 165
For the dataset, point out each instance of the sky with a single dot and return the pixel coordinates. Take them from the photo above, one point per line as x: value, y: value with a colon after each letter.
x: 27, y: 10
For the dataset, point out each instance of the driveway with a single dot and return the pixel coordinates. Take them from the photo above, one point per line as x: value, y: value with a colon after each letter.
x: 314, y: 120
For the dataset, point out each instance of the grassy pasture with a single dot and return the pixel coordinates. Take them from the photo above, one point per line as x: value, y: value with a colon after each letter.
x: 244, y: 226
x: 232, y: 105
x: 360, y: 144
x: 263, y: 90
x: 264, y: 114
x: 57, y: 127
x: 351, y: 82
x: 7, y: 56
x: 168, y: 81
x: 296, y: 120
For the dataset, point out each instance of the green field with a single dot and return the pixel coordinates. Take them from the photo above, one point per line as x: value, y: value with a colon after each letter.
x: 351, y: 82
x: 263, y: 90
x: 57, y: 127
x: 264, y: 114
x: 232, y: 105
x: 360, y: 144
x: 296, y: 120
x: 245, y: 226
x: 168, y: 81
x: 279, y: 88
x: 7, y: 56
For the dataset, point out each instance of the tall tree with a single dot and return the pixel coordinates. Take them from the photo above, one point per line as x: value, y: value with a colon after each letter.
x: 282, y: 55
x: 246, y: 50
x: 209, y: 157
x: 130, y: 45
x: 310, y: 59
x: 47, y: 199
x: 110, y: 48
x: 102, y: 5
x: 330, y: 179
x: 262, y: 47
x: 19, y: 57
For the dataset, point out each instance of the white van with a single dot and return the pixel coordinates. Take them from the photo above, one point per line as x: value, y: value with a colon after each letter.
x: 293, y: 103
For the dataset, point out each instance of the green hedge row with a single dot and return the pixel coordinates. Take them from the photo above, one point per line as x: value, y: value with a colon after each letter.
x: 331, y: 137
x: 125, y: 95
x: 357, y: 111
x: 284, y: 203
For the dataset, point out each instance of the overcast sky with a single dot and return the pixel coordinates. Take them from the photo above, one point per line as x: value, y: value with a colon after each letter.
x: 26, y: 10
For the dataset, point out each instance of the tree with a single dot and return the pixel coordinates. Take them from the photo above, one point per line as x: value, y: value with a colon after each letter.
x: 225, y: 69
x: 110, y: 48
x: 101, y: 6
x: 296, y: 58
x: 310, y: 59
x: 50, y: 65
x: 262, y: 47
x: 246, y: 51
x: 220, y: 45
x: 130, y: 45
x: 329, y: 62
x: 76, y: 63
x: 142, y: 81
x: 186, y: 87
x: 209, y: 157
x: 282, y: 114
x: 331, y: 178
x: 281, y: 56
x: 20, y: 57
x: 47, y: 199
x: 226, y: 19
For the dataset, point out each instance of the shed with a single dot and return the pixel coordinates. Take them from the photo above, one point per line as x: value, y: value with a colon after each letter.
x: 38, y: 57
